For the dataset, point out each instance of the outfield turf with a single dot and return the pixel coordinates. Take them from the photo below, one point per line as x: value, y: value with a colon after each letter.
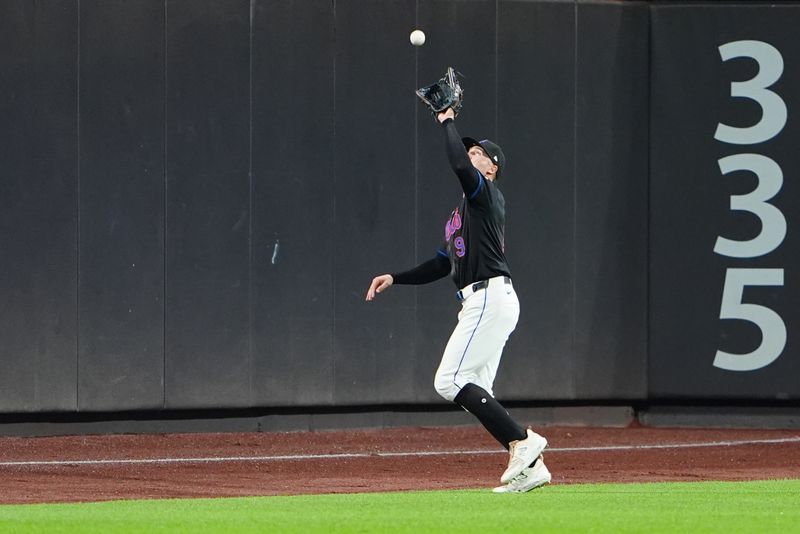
x: 769, y: 506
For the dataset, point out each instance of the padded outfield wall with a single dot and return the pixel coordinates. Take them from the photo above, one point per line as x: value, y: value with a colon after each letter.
x: 195, y: 195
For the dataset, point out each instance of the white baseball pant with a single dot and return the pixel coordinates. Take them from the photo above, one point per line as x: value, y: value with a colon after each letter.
x: 486, y: 320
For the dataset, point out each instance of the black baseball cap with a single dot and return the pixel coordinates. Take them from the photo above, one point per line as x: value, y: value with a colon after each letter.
x: 494, y: 151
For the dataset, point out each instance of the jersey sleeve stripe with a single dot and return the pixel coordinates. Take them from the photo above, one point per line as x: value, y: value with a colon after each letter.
x: 480, y: 185
x: 441, y: 252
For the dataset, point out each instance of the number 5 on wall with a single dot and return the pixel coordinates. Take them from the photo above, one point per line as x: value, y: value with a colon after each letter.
x: 773, y: 329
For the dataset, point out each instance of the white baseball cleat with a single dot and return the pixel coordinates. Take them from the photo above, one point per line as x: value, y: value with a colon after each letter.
x: 530, y: 478
x: 522, y: 453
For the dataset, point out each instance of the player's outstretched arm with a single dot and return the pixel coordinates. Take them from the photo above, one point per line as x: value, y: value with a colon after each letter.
x: 467, y: 174
x: 433, y: 269
x: 379, y: 283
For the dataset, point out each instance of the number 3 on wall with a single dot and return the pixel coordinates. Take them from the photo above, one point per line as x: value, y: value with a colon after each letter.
x: 773, y: 108
x: 773, y: 329
x: 773, y: 223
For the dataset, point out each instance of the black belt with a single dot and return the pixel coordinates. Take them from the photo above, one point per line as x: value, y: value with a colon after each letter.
x: 483, y: 284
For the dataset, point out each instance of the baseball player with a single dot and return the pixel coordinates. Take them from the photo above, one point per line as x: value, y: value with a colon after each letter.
x: 473, y: 254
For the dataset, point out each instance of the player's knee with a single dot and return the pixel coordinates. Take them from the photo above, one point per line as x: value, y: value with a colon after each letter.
x: 445, y: 387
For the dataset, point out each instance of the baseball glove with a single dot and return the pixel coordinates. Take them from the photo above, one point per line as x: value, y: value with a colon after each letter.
x: 446, y: 93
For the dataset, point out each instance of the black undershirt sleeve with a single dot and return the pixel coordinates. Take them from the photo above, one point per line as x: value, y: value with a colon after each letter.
x: 459, y: 160
x: 431, y: 270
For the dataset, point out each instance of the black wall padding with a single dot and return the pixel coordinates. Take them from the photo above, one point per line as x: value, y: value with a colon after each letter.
x: 122, y: 216
x: 690, y: 205
x: 39, y: 183
x: 196, y: 194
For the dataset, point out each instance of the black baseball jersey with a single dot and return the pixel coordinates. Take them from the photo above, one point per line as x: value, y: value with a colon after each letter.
x: 474, y: 233
x: 473, y: 248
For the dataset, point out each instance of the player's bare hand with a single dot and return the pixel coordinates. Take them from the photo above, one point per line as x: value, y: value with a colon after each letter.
x: 446, y: 114
x: 379, y: 283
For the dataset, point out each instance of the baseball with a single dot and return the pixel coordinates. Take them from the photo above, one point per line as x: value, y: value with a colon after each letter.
x: 417, y: 37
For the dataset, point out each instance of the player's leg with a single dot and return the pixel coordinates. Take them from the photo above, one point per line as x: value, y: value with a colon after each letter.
x: 470, y: 363
x: 487, y: 374
x: 472, y: 355
x: 478, y: 399
x: 526, y: 469
x: 491, y: 414
x: 468, y: 350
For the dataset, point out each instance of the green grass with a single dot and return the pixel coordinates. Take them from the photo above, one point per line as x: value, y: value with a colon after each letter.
x: 770, y: 506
